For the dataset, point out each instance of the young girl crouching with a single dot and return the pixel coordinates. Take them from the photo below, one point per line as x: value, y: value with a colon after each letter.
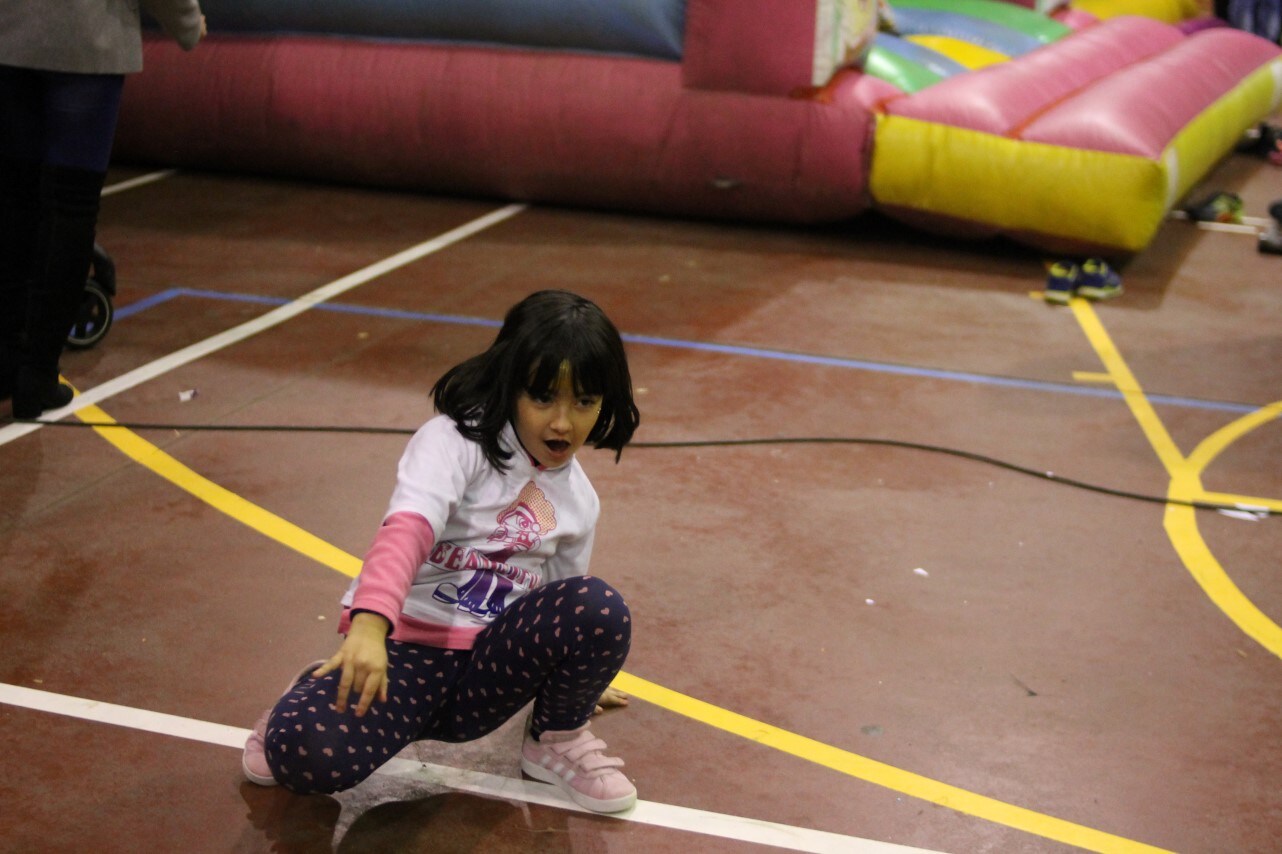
x: 474, y: 598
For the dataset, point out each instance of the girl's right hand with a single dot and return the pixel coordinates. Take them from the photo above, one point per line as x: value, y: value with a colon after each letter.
x: 363, y: 661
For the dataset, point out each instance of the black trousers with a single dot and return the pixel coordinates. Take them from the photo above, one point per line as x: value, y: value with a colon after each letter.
x: 560, y: 646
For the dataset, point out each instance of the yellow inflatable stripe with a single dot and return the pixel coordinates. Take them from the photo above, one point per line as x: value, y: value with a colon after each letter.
x: 967, y: 54
x: 286, y: 533
x: 876, y: 772
x: 1170, y: 11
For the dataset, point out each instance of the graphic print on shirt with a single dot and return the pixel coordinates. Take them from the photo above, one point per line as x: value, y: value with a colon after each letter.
x: 521, y: 528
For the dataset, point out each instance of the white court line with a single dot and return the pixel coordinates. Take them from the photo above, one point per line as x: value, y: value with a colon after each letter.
x: 149, y: 178
x: 1247, y: 225
x: 475, y: 782
x: 272, y: 318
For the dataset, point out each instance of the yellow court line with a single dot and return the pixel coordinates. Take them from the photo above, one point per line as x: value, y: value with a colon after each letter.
x: 1181, y: 528
x: 1212, y: 446
x: 851, y: 764
x: 1215, y: 444
x: 1180, y: 522
x: 872, y: 771
x: 1172, y: 460
x: 286, y: 533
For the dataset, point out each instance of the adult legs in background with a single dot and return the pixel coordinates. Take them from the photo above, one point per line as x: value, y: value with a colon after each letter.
x: 20, y: 138
x: 57, y: 135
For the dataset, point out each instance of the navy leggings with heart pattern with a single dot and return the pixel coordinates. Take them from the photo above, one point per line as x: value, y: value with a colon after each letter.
x: 560, y: 646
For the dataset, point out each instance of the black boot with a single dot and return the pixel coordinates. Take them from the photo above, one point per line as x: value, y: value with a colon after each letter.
x: 19, y: 210
x: 69, y: 200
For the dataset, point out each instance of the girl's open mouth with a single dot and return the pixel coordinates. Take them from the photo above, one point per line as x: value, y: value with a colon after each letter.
x: 557, y: 446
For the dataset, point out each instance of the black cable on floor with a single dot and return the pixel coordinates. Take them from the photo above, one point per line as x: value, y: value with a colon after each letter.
x: 708, y: 443
x: 966, y: 455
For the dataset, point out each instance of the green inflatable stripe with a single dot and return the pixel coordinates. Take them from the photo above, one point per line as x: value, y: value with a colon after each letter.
x: 1035, y: 24
x: 894, y: 69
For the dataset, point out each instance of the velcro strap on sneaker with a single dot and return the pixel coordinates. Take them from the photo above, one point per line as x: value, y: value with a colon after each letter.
x: 585, y: 751
x: 598, y: 764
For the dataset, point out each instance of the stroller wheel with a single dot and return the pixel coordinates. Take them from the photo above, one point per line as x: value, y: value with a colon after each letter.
x: 94, y: 319
x: 103, y: 270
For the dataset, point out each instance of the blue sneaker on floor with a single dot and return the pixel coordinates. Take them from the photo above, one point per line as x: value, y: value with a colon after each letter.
x: 1098, y: 280
x: 1061, y: 282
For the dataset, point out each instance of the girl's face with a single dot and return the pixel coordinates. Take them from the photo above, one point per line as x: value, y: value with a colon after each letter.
x: 553, y: 426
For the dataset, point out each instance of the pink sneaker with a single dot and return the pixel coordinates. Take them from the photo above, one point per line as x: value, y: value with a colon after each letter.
x: 253, y: 762
x: 575, y: 761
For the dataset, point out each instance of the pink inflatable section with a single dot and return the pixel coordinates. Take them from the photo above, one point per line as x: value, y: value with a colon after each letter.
x: 1010, y: 95
x: 1123, y: 112
x: 715, y: 135
x: 1085, y: 143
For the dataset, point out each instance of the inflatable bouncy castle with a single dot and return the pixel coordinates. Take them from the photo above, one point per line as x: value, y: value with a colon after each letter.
x: 1061, y: 125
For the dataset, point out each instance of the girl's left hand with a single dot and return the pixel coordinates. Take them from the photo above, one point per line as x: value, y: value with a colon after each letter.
x: 611, y: 698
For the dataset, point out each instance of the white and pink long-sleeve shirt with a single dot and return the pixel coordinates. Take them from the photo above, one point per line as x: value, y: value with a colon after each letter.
x: 461, y: 541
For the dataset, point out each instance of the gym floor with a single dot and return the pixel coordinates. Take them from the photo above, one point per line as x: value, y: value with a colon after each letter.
x: 882, y: 645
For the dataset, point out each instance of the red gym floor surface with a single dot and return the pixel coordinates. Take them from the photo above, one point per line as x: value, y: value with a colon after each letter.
x: 862, y: 646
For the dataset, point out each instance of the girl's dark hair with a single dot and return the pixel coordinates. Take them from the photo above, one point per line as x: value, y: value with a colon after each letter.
x: 539, y: 334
